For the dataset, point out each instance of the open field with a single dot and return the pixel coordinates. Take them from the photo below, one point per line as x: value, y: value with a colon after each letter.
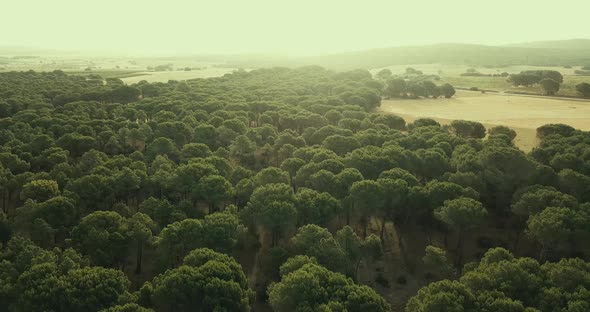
x: 164, y: 76
x: 130, y: 70
x: 452, y: 74
x: 522, y: 113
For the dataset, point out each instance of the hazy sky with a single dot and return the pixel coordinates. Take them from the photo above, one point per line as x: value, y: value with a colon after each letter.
x: 276, y: 26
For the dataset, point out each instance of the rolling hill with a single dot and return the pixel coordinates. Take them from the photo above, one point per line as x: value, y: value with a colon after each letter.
x: 567, y: 52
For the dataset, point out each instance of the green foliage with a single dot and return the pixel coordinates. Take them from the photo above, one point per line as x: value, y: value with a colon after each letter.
x: 550, y: 86
x: 468, y: 129
x: 313, y: 288
x: 207, y: 281
x: 501, y: 281
x: 436, y: 261
x: 273, y: 206
x: 502, y: 130
x: 103, y: 236
x: 447, y: 90
x: 461, y: 213
x: 40, y: 190
x: 35, y: 279
x: 531, y: 77
x: 255, y: 164
x: 584, y: 89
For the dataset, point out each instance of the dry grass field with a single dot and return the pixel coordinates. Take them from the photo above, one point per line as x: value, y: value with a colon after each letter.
x: 164, y: 76
x: 522, y: 113
x: 130, y: 70
x: 452, y: 74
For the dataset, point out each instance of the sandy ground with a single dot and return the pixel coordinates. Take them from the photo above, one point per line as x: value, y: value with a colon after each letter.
x: 522, y: 113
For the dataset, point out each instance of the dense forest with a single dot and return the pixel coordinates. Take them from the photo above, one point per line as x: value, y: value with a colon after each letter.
x: 279, y: 189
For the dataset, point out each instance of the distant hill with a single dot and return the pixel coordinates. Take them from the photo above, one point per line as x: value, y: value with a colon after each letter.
x: 547, y: 53
x: 24, y: 50
x: 582, y: 44
x: 565, y: 52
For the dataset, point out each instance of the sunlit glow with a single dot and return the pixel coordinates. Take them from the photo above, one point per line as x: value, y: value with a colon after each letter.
x: 302, y: 27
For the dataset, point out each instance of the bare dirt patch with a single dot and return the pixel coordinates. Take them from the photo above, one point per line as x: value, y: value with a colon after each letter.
x: 522, y: 113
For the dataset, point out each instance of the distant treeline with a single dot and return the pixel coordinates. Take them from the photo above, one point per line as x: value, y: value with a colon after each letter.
x: 474, y: 73
x: 532, y: 77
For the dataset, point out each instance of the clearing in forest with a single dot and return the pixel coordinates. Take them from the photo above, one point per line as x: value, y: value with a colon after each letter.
x: 522, y: 113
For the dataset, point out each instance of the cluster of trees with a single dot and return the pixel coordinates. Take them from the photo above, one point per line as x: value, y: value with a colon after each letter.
x: 413, y: 84
x: 163, y: 67
x: 582, y: 72
x: 584, y: 89
x: 472, y: 72
x: 286, y: 176
x: 502, y: 282
x: 549, y: 80
x: 398, y: 87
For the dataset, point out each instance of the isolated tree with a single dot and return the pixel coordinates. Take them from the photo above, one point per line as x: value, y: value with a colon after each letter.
x: 549, y: 86
x: 447, y: 90
x: 462, y: 214
x: 584, y: 89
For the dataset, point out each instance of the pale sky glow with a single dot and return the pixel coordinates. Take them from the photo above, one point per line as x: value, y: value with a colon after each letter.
x: 301, y: 27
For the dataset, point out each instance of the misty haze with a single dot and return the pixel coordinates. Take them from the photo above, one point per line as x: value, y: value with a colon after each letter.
x: 295, y: 156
